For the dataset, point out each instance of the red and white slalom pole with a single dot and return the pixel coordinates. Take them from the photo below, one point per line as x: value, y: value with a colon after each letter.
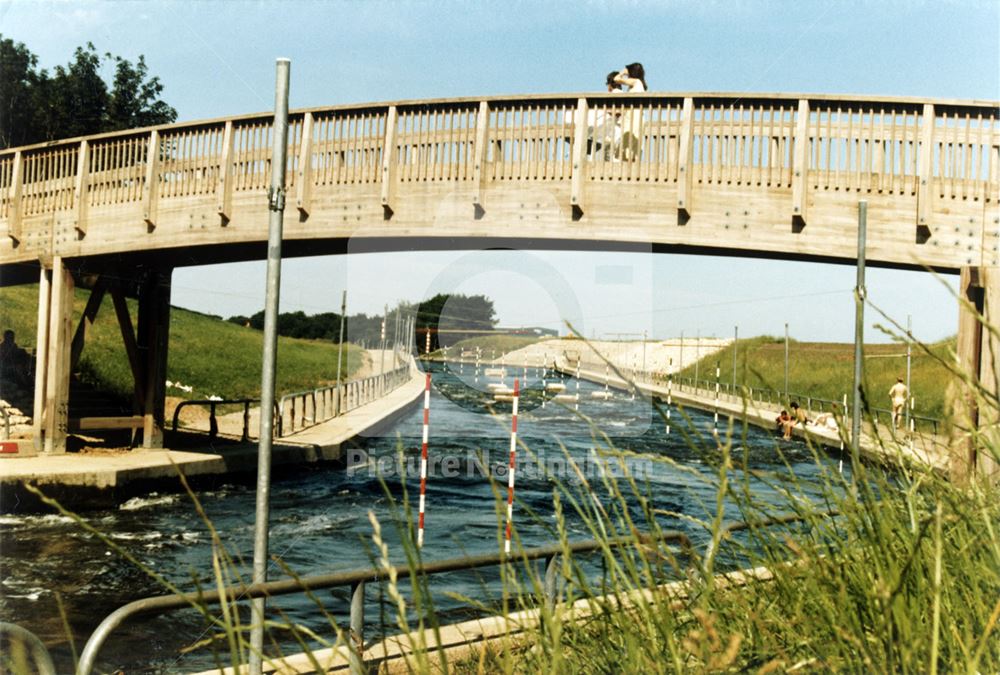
x: 510, y: 471
x: 423, y: 462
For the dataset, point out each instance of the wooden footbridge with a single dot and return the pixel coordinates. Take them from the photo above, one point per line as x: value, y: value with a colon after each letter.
x: 777, y: 176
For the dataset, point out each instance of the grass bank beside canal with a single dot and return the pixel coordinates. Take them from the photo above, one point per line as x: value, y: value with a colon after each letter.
x: 212, y: 356
x: 826, y: 369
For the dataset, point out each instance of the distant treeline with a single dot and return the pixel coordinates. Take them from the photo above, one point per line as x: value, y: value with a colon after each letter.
x: 444, y: 311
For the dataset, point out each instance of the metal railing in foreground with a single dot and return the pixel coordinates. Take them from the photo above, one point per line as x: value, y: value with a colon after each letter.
x: 357, y: 579
x: 213, y: 423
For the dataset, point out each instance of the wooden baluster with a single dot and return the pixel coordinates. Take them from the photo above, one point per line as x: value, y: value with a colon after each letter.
x: 576, y: 198
x: 479, y: 154
x: 389, y: 161
x: 151, y: 185
x: 685, y: 161
x: 15, y: 207
x: 925, y: 183
x: 800, y: 187
x: 80, y: 192
x: 224, y: 187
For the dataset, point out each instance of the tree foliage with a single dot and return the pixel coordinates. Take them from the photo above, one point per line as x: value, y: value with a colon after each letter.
x: 74, y: 100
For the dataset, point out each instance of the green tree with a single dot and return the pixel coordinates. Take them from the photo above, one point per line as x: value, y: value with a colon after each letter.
x: 75, y: 100
x: 135, y: 98
x: 18, y: 82
x: 79, y: 97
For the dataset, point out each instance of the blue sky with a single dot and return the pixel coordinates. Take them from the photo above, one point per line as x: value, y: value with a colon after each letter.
x: 216, y: 58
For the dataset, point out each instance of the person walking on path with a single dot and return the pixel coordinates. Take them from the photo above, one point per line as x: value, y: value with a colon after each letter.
x: 898, y: 394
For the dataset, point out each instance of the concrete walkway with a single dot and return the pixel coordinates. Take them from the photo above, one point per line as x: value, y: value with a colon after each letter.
x: 880, y: 445
x: 104, y: 477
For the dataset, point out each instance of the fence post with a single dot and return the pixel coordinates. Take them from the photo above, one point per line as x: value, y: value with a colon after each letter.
x: 213, y: 424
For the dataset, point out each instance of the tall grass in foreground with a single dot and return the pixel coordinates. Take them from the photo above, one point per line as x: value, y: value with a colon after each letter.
x: 894, y: 570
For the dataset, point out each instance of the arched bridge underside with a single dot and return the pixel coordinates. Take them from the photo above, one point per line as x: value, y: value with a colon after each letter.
x: 759, y: 175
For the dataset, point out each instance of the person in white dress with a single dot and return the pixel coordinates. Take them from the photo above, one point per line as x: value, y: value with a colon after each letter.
x: 632, y: 76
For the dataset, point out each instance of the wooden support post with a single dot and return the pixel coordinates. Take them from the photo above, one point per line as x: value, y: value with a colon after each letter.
x: 800, y: 170
x: 56, y: 415
x: 925, y: 169
x: 14, y: 210
x: 224, y: 190
x: 153, y: 334
x: 131, y: 347
x: 685, y: 159
x: 390, y: 156
x: 86, y: 321
x: 988, y: 466
x: 479, y: 160
x: 151, y: 186
x: 576, y: 198
x: 965, y: 408
x: 304, y: 179
x: 41, y: 356
x: 81, y: 194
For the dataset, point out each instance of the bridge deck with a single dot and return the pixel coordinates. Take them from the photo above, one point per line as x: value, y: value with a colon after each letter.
x: 775, y: 175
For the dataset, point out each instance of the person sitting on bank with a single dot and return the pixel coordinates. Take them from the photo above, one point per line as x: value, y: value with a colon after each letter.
x: 798, y: 414
x: 827, y: 421
x: 15, y: 363
x: 784, y: 424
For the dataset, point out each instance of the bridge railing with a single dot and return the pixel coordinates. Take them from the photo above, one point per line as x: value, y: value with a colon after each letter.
x: 923, y: 150
x: 773, y: 397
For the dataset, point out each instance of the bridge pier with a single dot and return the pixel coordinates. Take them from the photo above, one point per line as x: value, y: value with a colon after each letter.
x: 152, y: 341
x: 978, y: 352
x: 52, y: 366
x: 58, y: 350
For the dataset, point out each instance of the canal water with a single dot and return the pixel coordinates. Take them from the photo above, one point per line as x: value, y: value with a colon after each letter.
x: 59, y: 578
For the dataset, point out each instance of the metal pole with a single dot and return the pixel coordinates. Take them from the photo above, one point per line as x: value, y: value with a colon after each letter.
x: 859, y: 328
x: 276, y: 205
x: 786, y: 360
x: 736, y: 341
x: 909, y: 357
x: 381, y: 367
x: 697, y: 357
x: 644, y: 353
x: 340, y: 346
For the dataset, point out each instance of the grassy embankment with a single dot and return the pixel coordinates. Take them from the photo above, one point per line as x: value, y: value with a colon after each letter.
x: 212, y: 356
x: 826, y: 370
x: 819, y: 369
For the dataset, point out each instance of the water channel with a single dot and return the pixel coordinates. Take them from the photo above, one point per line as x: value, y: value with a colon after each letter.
x: 319, y: 518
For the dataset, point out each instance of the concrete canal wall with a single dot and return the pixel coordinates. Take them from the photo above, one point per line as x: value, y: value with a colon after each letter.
x: 101, y: 478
